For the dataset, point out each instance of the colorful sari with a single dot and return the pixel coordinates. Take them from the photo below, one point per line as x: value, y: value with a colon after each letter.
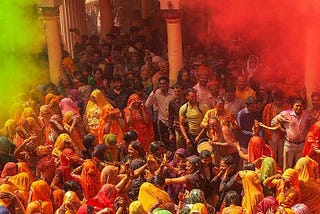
x: 9, y: 129
x: 71, y: 203
x: 258, y: 148
x: 63, y: 141
x: 92, y: 114
x: 74, y: 131
x: 41, y: 191
x: 145, y: 130
x: 150, y: 194
x: 253, y: 192
x: 23, y: 167
x: 268, y: 169
x: 310, y: 189
x: 21, y: 183
x: 199, y: 208
x: 8, y: 189
x: 115, y: 128
x: 10, y: 169
x: 67, y: 104
x: 268, y: 205
x: 105, y: 198
x: 90, y: 179
x: 57, y: 198
x: 312, y: 144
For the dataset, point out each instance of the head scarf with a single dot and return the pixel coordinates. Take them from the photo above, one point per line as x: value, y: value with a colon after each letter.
x: 160, y: 211
x: 110, y: 139
x: 9, y: 129
x: 268, y: 204
x: 306, y: 168
x: 71, y: 202
x: 268, y: 168
x: 253, y: 192
x: 21, y: 181
x: 257, y: 148
x: 105, y: 197
x: 61, y: 144
x: 34, y: 207
x: 293, y: 176
x: 67, y: 104
x: 42, y: 192
x: 28, y: 112
x: 181, y: 151
x: 300, y: 209
x: 109, y: 175
x: 99, y: 151
x: 199, y: 208
x: 45, y: 114
x: 134, y: 98
x: 57, y: 198
x: 9, y: 169
x: 23, y: 167
x: 90, y: 179
x: 136, y: 208
x: 98, y: 98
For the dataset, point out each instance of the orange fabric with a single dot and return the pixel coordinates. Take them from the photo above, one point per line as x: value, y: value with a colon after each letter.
x: 74, y: 134
x: 21, y: 183
x: 41, y: 192
x: 61, y: 143
x: 145, y: 131
x: 57, y: 199
x: 90, y: 179
x: 23, y: 167
x: 312, y: 144
x: 106, y: 113
x: 71, y: 202
x: 258, y: 148
x: 310, y: 189
x: 92, y: 114
x: 253, y: 192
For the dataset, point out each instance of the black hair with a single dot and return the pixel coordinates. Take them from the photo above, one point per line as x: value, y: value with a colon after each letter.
x: 138, y: 147
x: 232, y: 198
x: 277, y: 94
x: 178, y: 86
x: 138, y: 86
x: 129, y: 136
x: 204, y: 154
x: 165, y: 78
x: 157, y: 180
x: 228, y: 160
x: 191, y: 90
x: 250, y: 100
x: 88, y: 141
x: 71, y: 185
x: 117, y: 78
x: 249, y: 166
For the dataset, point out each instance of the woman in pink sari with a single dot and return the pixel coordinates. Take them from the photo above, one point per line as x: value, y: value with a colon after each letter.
x: 137, y: 118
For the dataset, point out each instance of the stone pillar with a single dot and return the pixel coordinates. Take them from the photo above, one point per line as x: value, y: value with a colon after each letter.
x: 173, y: 20
x: 73, y: 15
x: 51, y: 25
x: 106, y: 17
x: 312, y: 52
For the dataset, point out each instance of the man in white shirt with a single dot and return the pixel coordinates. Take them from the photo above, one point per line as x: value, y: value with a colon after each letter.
x: 161, y: 98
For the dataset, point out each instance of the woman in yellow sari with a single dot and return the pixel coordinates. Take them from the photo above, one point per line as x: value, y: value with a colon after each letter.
x: 149, y: 194
x: 9, y: 199
x: 93, y: 111
x: 40, y: 191
x: 310, y: 189
x: 71, y: 204
x: 287, y: 187
x: 9, y: 129
x: 21, y: 184
x: 63, y: 141
x: 70, y: 123
x: 253, y: 192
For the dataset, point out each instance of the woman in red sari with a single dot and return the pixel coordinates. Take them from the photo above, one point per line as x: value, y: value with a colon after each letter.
x: 137, y: 118
x: 312, y: 144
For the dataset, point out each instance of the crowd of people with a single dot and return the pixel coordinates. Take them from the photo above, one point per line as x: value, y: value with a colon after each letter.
x: 115, y: 136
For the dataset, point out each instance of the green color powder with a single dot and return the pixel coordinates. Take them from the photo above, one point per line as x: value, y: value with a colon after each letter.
x: 22, y: 42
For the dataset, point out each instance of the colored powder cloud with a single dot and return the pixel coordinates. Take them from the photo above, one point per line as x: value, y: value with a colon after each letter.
x: 21, y: 42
